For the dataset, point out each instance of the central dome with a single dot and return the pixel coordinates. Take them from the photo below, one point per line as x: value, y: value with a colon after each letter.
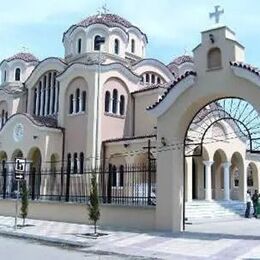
x: 110, y: 20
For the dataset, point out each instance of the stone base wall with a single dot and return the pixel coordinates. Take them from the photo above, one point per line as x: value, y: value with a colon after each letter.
x: 123, y: 217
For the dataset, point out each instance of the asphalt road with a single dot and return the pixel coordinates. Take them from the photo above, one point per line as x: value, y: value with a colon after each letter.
x: 23, y: 249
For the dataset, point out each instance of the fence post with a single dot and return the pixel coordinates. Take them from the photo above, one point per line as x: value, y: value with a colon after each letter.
x: 4, y: 176
x: 61, y: 181
x: 67, y: 196
x: 149, y: 173
x: 33, y: 182
x: 109, y: 184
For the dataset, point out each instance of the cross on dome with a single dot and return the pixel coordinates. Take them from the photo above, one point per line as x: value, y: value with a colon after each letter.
x: 103, y: 10
x: 216, y: 14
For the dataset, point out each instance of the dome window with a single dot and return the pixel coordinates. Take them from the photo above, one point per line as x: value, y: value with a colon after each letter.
x: 18, y: 74
x: 116, y: 46
x: 214, y: 58
x: 97, y: 43
x: 79, y: 45
x: 5, y: 76
x: 133, y: 46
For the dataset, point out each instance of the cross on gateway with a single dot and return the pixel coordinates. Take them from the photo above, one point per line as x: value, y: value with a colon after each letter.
x: 216, y: 14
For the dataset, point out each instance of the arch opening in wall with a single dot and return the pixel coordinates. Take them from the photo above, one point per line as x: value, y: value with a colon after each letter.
x: 133, y: 46
x: 79, y: 46
x: 17, y: 74
x: 116, y: 46
x: 214, y: 58
x: 233, y: 120
x: 107, y: 101
x: 96, y: 43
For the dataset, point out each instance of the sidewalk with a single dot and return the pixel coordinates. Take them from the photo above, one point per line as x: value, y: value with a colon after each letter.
x: 199, y: 242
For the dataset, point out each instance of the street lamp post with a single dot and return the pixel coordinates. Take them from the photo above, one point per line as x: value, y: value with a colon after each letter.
x: 98, y: 42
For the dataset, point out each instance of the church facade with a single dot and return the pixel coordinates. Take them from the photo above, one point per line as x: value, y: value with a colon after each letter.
x: 104, y: 104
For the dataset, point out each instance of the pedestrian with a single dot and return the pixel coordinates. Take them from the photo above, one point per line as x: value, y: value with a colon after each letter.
x: 248, y: 204
x: 255, y: 201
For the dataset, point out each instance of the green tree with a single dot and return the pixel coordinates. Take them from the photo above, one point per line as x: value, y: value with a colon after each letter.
x: 25, y: 202
x: 94, y: 212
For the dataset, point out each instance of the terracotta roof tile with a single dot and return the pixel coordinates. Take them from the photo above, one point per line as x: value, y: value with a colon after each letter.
x: 248, y: 67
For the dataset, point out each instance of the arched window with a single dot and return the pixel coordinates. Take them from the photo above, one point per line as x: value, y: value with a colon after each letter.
x: 79, y: 45
x: 116, y: 47
x: 250, y: 180
x: 147, y: 78
x: 71, y: 104
x: 115, y: 100
x: 81, y: 163
x: 39, y: 101
x: 96, y: 43
x: 34, y: 101
x: 114, y: 177
x: 17, y: 74
x: 214, y: 58
x: 153, y: 78
x: 107, y: 101
x: 158, y: 80
x: 5, y: 76
x: 77, y: 99
x: 122, y: 105
x: 84, y: 98
x: 133, y: 46
x: 68, y: 162
x: 75, y: 163
x: 3, y: 117
x: 121, y: 175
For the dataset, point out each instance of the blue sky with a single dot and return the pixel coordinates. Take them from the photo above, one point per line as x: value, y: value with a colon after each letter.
x: 172, y: 26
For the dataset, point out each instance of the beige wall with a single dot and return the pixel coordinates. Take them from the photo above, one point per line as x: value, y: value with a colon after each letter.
x: 76, y: 124
x: 144, y: 123
x: 111, y: 216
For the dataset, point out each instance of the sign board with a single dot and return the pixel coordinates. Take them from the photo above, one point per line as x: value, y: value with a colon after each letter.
x: 20, y: 169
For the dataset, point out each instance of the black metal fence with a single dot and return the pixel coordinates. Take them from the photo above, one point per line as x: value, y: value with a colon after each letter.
x: 123, y: 185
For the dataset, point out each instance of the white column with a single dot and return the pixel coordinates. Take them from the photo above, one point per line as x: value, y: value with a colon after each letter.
x: 56, y: 98
x: 51, y: 93
x: 74, y: 104
x: 10, y: 174
x: 42, y: 107
x: 46, y: 98
x: 80, y: 102
x: 118, y: 106
x: 111, y: 105
x: 208, y: 189
x: 226, y: 166
x: 188, y: 179
x: 37, y: 100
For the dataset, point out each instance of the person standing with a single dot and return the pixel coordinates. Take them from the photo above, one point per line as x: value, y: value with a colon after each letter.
x: 255, y: 201
x: 248, y: 204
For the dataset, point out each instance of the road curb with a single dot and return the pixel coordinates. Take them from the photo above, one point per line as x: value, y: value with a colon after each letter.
x: 53, y: 240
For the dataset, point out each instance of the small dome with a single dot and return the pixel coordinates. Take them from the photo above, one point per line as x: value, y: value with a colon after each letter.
x: 27, y: 57
x: 182, y: 59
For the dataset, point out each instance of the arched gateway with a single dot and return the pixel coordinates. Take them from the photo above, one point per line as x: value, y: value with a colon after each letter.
x: 213, y: 109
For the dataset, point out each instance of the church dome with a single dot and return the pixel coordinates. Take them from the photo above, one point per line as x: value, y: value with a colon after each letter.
x: 111, y: 20
x: 25, y: 56
x: 124, y: 41
x: 182, y: 59
x: 181, y: 64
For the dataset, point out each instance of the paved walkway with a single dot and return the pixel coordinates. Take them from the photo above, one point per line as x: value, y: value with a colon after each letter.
x: 237, y: 239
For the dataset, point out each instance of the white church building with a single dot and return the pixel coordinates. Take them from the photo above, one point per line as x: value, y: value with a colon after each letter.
x: 158, y: 136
